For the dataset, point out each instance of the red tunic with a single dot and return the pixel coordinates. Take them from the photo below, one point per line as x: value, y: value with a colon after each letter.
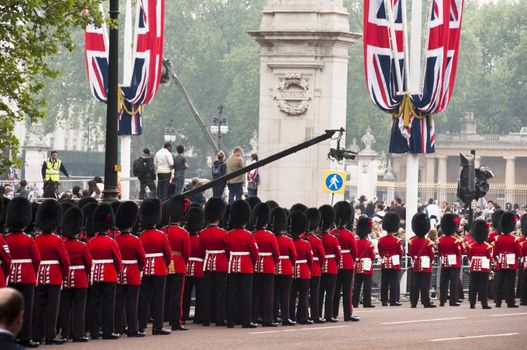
x: 524, y: 254
x: 479, y: 255
x: 449, y: 250
x: 287, y: 255
x: 214, y: 240
x: 25, y: 258
x: 333, y: 254
x: 243, y: 251
x: 348, y: 248
x: 421, y: 249
x: 5, y: 261
x: 365, y: 257
x: 390, y: 246
x: 506, y: 252
x: 157, y: 252
x: 80, y: 264
x: 197, y: 256
x: 55, y: 263
x: 492, y: 237
x: 107, y: 260
x: 268, y: 252
x: 304, y: 259
x: 134, y: 259
x: 179, y: 241
x: 319, y: 255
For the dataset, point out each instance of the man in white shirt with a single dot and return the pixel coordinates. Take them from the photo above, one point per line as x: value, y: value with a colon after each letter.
x: 163, y: 164
x: 11, y: 317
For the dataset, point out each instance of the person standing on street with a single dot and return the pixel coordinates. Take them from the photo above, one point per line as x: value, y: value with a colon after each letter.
x: 364, y: 263
x: 11, y: 318
x: 253, y: 178
x: 479, y: 253
x: 51, y: 169
x: 163, y: 164
x: 450, y: 250
x: 234, y: 163
x: 391, y: 252
x: 219, y: 169
x: 146, y: 173
x: 180, y: 165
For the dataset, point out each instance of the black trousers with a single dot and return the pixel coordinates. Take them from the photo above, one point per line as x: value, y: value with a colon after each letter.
x: 449, y: 275
x: 478, y: 287
x: 28, y: 292
x: 239, y: 293
x: 520, y: 281
x: 389, y: 279
x: 126, y: 303
x: 282, y: 296
x: 344, y: 284
x: 162, y: 185
x: 152, y: 292
x: 101, y: 302
x: 174, y: 298
x: 362, y: 281
x: 190, y: 284
x: 73, y: 312
x: 263, y: 293
x: 314, y: 296
x: 327, y: 294
x: 504, y: 284
x: 214, y: 297
x: 420, y: 285
x: 300, y: 290
x: 47, y: 302
x: 143, y: 184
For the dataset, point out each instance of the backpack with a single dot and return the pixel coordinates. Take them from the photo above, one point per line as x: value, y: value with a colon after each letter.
x: 139, y: 167
x: 216, y: 169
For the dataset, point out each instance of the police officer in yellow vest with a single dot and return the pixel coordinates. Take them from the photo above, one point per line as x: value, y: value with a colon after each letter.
x: 51, y: 169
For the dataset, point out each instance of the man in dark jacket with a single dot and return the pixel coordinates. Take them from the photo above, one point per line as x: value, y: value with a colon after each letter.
x: 145, y: 172
x: 11, y: 318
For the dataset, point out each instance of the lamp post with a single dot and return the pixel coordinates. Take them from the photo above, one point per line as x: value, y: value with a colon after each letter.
x: 111, y: 167
x: 170, y: 133
x: 219, y: 125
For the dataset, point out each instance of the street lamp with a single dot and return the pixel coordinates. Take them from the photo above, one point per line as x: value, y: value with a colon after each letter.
x: 170, y: 133
x: 219, y: 125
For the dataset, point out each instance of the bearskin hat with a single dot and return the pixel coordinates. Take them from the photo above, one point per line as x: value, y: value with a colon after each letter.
x: 278, y: 220
x: 272, y: 204
x: 66, y: 204
x: 327, y: 217
x: 343, y: 213
x: 253, y: 201
x: 18, y: 214
x: 3, y: 209
x: 507, y: 222
x: 240, y: 214
x: 391, y: 222
x: 88, y: 210
x: 225, y: 221
x: 297, y: 223
x: 72, y: 221
x: 261, y: 214
x: 48, y: 216
x: 496, y: 217
x: 103, y: 218
x: 449, y: 224
x: 298, y: 207
x: 524, y: 225
x: 420, y: 224
x: 176, y: 208
x: 195, y: 220
x: 214, y: 209
x: 85, y: 200
x: 313, y: 219
x: 363, y: 228
x: 126, y: 216
x: 480, y: 231
x: 150, y: 212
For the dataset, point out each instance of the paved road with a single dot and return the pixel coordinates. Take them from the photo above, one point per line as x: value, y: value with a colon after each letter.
x: 379, y: 328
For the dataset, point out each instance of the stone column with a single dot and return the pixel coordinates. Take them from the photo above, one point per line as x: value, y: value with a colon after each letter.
x: 510, y: 178
x: 303, y: 91
x: 442, y: 170
x: 430, y: 170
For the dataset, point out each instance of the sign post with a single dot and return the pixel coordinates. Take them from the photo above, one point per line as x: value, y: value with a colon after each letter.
x: 334, y: 182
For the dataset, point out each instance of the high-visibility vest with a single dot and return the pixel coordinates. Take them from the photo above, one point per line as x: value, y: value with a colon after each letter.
x: 53, y: 171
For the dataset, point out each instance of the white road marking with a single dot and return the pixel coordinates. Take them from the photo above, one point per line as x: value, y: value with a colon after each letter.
x: 427, y: 320
x: 475, y: 337
x: 298, y: 330
x: 504, y: 315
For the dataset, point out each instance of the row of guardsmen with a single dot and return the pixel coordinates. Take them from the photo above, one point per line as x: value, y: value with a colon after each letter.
x: 272, y: 265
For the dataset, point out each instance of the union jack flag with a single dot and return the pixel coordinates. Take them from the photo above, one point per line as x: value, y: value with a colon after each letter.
x: 96, y: 52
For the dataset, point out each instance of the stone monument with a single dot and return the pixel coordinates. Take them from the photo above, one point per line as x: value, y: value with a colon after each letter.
x: 303, y: 91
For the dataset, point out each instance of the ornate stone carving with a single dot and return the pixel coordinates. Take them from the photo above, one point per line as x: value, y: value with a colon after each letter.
x: 292, y: 94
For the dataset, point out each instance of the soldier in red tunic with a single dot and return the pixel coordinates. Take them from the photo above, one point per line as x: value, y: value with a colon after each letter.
x: 301, y: 269
x: 5, y: 261
x: 523, y: 261
x: 75, y: 284
x: 390, y: 251
x: 284, y: 268
x: 129, y: 278
x: 243, y: 253
x: 421, y: 250
x: 506, y: 252
x: 364, y: 263
x: 348, y: 247
x: 24, y: 264
x: 53, y: 267
x: 319, y: 259
x: 263, y: 282
x: 107, y: 262
x: 479, y: 255
x: 213, y: 241
x: 449, y: 251
x: 158, y: 258
x: 330, y: 268
x: 496, y: 217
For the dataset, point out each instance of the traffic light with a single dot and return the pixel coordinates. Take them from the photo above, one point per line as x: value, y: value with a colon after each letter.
x: 466, y: 186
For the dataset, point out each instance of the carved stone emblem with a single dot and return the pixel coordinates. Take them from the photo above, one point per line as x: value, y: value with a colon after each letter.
x: 293, y: 94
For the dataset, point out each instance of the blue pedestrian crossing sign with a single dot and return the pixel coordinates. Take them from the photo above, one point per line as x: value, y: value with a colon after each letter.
x: 334, y: 181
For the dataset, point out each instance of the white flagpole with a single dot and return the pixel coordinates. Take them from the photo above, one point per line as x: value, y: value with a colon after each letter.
x: 405, y: 43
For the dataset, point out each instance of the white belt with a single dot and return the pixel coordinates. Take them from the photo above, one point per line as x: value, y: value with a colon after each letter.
x: 195, y: 259
x: 154, y: 255
x: 214, y: 252
x: 316, y: 258
x: 49, y: 262
x: 21, y: 261
x: 345, y: 251
x: 304, y: 261
x: 129, y: 262
x: 103, y: 261
x: 265, y: 254
x: 330, y: 256
x: 240, y: 253
x: 283, y: 257
x: 77, y: 267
